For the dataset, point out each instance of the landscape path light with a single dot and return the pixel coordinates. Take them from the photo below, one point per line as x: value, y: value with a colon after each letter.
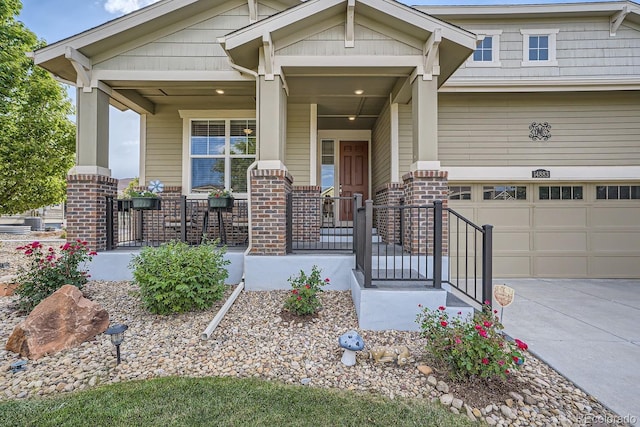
x: 116, y: 333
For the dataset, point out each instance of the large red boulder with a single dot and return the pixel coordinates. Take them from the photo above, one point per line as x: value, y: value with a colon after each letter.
x: 63, y: 320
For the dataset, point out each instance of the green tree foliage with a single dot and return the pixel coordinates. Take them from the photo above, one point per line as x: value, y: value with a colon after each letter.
x: 37, y: 139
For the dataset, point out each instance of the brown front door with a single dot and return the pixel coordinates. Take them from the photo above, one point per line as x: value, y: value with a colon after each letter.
x: 354, y: 174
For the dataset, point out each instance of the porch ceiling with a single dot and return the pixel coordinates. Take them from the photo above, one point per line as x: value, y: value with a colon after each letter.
x: 332, y: 89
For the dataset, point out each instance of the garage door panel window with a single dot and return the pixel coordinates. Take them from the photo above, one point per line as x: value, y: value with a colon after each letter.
x: 504, y: 192
x: 564, y: 192
x: 618, y: 192
x: 457, y: 192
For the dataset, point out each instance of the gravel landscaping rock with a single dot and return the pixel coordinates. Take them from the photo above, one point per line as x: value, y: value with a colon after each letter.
x: 253, y: 340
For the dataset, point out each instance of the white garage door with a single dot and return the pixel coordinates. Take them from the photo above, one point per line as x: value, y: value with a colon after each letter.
x: 557, y: 230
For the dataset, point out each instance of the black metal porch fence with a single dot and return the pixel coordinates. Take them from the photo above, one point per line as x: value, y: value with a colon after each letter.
x: 412, y: 242
x: 174, y: 218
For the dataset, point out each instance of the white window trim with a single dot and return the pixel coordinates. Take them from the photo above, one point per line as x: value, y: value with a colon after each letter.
x: 187, y: 117
x: 552, y: 61
x: 495, y: 50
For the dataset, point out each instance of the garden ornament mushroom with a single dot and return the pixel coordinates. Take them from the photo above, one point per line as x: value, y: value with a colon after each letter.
x: 351, y: 342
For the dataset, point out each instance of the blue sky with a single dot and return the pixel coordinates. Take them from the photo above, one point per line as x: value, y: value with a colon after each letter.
x: 54, y: 20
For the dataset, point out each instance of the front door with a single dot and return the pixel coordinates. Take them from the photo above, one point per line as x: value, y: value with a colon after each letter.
x: 354, y: 174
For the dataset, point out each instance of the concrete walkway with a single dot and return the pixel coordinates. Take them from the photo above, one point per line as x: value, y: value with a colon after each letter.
x: 588, y: 330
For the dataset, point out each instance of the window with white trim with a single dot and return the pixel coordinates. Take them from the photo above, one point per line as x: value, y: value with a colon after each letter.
x: 618, y: 192
x: 487, y: 53
x: 539, y: 47
x: 557, y: 192
x: 220, y: 151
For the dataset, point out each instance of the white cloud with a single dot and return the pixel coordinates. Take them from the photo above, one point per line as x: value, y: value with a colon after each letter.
x: 126, y: 6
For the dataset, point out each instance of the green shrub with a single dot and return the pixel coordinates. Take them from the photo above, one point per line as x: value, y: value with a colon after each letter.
x: 303, y: 299
x: 48, y: 270
x: 470, y: 347
x: 176, y: 278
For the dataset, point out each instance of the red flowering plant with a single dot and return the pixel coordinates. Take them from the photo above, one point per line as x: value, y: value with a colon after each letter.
x: 48, y: 270
x: 471, y: 347
x: 303, y: 297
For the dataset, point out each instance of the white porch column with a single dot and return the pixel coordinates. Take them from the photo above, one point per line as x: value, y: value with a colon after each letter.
x: 425, y: 123
x: 92, y: 140
x: 272, y: 123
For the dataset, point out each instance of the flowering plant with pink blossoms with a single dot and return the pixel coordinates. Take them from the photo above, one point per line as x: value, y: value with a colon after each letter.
x: 471, y: 346
x: 48, y: 270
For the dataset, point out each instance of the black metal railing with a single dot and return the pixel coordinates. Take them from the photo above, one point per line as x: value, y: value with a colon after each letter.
x: 412, y: 244
x: 175, y: 218
x: 320, y: 223
x: 470, y: 257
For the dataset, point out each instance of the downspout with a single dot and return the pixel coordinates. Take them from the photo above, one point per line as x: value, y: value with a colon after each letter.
x: 253, y: 165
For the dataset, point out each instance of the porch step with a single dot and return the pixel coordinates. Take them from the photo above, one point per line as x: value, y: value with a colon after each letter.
x: 394, y: 305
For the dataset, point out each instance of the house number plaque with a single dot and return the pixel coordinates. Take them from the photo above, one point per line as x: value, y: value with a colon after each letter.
x: 540, y: 173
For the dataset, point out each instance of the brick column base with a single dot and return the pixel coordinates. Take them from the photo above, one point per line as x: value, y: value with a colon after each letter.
x: 388, y: 221
x: 269, y: 190
x: 87, y: 208
x: 421, y: 188
x: 308, y: 212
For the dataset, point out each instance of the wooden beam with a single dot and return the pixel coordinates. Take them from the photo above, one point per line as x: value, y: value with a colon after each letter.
x: 267, y: 44
x: 431, y: 53
x: 253, y: 11
x: 132, y: 99
x: 617, y: 19
x: 81, y: 64
x: 349, y: 31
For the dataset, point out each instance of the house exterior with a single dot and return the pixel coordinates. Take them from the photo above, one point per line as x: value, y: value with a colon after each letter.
x: 524, y: 117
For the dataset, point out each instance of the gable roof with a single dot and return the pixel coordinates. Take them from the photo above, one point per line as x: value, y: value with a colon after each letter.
x: 123, y: 29
x: 242, y: 45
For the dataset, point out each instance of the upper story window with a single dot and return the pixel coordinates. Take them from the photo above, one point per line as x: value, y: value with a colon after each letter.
x: 539, y: 48
x: 487, y: 53
x: 220, y: 151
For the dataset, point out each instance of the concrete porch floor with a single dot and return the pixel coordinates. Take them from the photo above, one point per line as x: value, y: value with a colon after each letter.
x: 586, y: 329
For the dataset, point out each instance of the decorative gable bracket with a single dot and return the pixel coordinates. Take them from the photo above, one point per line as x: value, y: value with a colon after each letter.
x: 617, y: 19
x: 349, y: 30
x: 269, y: 56
x: 81, y: 64
x: 253, y: 11
x: 431, y: 54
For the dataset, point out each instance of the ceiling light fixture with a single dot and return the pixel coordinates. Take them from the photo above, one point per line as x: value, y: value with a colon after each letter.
x: 358, y: 91
x: 220, y: 91
x: 352, y: 118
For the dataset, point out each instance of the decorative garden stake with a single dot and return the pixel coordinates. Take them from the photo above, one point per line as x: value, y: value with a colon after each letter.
x: 351, y: 342
x: 116, y: 332
x: 18, y: 366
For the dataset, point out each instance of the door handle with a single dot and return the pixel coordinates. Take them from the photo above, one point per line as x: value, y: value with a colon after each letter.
x: 340, y: 189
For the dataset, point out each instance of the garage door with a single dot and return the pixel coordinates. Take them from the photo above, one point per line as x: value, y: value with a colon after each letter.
x: 557, y: 230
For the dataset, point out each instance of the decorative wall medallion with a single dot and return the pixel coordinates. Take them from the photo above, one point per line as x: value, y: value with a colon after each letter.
x: 540, y: 131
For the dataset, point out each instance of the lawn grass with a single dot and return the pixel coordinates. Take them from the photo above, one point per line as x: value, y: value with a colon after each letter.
x: 221, y: 402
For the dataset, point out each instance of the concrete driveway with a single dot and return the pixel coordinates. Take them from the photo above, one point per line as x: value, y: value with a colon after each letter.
x: 586, y: 329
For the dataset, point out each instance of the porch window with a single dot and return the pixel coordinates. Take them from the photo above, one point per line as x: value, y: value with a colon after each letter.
x: 220, y: 152
x: 328, y: 169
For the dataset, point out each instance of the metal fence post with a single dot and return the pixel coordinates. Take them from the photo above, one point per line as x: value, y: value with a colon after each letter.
x: 183, y: 218
x: 109, y: 201
x: 357, y: 203
x: 487, y: 263
x: 437, y: 244
x: 289, y: 223
x: 368, y: 230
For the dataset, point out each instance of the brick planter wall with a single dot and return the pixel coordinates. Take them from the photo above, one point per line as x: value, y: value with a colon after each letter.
x: 387, y: 221
x: 422, y: 187
x: 307, y: 213
x: 87, y: 209
x: 269, y: 189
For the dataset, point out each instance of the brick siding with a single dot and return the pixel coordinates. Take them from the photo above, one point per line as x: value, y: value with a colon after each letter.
x: 269, y: 190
